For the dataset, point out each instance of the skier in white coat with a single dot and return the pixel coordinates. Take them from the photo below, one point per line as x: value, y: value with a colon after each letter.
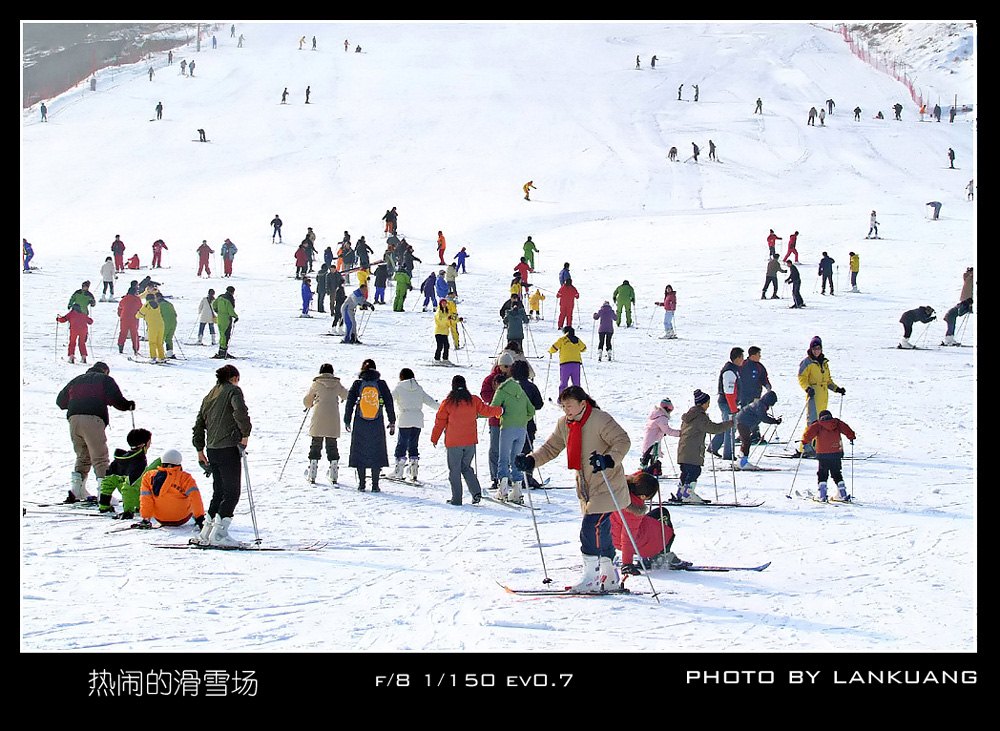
x: 409, y: 398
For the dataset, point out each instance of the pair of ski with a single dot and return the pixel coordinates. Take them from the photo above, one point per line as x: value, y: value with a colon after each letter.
x: 797, y: 455
x: 568, y: 591
x: 829, y: 501
x: 709, y: 504
x: 312, y: 546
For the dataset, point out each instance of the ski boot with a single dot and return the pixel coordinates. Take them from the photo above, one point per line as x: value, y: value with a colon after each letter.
x: 414, y: 466
x: 609, y: 575
x: 334, y: 469
x: 397, y: 473
x: 822, y: 496
x: 841, y: 496
x: 313, y: 469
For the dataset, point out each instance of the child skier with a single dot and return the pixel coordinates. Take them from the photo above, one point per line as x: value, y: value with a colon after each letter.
x: 125, y: 473
x: 657, y: 427
x: 653, y: 532
x: 669, y: 305
x: 535, y: 304
x: 829, y: 452
x: 170, y: 494
x: 695, y: 424
x: 307, y: 296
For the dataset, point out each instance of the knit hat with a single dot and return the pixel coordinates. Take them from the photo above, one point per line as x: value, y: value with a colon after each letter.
x: 506, y: 360
x: 171, y: 456
x: 667, y: 404
x: 230, y: 289
x: 825, y: 415
x: 700, y: 397
x: 815, y: 342
x: 770, y: 398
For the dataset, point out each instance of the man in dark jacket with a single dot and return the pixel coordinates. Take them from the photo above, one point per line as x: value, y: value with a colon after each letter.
x: 918, y: 314
x: 85, y: 400
x: 753, y: 382
x: 519, y: 372
x: 826, y: 271
x: 729, y: 394
x: 795, y: 279
x: 771, y: 276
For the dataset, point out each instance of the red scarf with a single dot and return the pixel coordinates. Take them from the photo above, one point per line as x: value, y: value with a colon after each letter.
x: 574, y: 441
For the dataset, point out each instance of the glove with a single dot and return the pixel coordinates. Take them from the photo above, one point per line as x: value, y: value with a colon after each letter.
x: 778, y: 419
x: 601, y: 461
x: 206, y: 468
x: 524, y: 462
x: 144, y: 524
x: 131, y: 405
x: 236, y: 318
x: 631, y: 570
x: 841, y: 390
x: 461, y: 319
x: 199, y: 521
x: 392, y: 429
x: 347, y: 425
x: 852, y: 442
x: 810, y: 392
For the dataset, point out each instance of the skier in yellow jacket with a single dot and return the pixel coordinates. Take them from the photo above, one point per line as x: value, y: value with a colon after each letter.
x: 443, y: 319
x: 535, y: 304
x: 151, y: 313
x: 570, y: 349
x: 816, y: 380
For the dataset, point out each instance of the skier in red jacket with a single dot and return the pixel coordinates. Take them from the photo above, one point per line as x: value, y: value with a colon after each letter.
x: 128, y: 324
x: 771, y: 238
x: 829, y: 452
x: 78, y: 330
x: 203, y: 251
x: 653, y: 532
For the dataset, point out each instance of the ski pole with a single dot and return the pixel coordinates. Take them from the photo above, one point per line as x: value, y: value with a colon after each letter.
x: 635, y: 546
x: 531, y: 339
x: 55, y: 349
x: 585, y: 379
x: 531, y: 447
x: 465, y: 333
x: 961, y: 330
x: 592, y: 331
x: 305, y: 414
x: 253, y: 510
x: 840, y: 411
x: 801, y: 413
x: 538, y: 537
x: 734, y: 463
x: 673, y: 468
x: 650, y: 325
x: 852, y: 469
x: 794, y: 477
x: 715, y: 478
x: 549, y: 368
x: 496, y: 350
x: 923, y: 335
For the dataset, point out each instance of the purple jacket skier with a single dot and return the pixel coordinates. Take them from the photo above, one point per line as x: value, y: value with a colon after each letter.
x: 606, y: 328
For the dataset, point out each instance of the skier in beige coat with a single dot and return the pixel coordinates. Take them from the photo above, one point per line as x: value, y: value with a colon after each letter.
x: 324, y: 397
x: 585, y: 433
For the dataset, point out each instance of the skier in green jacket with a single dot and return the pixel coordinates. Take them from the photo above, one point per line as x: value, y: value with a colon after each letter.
x: 624, y: 297
x: 225, y: 311
x: 169, y: 314
x: 529, y: 252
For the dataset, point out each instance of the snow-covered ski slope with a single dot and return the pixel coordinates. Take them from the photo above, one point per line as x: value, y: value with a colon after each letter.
x: 447, y: 122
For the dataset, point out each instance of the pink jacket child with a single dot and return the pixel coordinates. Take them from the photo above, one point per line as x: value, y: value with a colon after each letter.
x: 657, y: 427
x: 78, y: 329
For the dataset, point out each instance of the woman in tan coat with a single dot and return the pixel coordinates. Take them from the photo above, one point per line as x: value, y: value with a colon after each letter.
x: 324, y: 397
x: 588, y: 434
